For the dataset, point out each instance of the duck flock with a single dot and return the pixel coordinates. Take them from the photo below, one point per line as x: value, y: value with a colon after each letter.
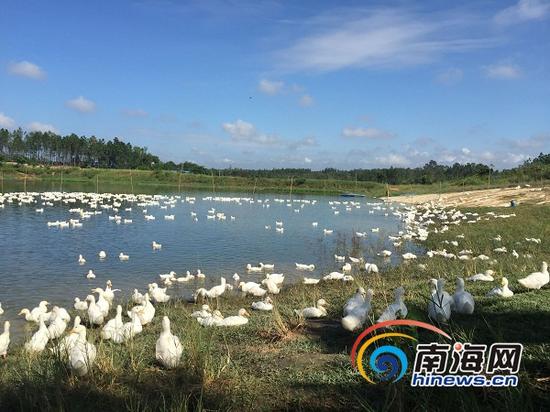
x: 94, y: 311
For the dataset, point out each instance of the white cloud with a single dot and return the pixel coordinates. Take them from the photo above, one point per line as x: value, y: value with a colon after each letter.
x: 6, y: 121
x: 502, y: 71
x: 81, y: 104
x: 524, y: 10
x: 241, y: 131
x: 26, y: 69
x: 465, y: 151
x: 41, y: 127
x: 392, y: 159
x: 306, y: 100
x: 368, y: 133
x: 270, y: 87
x: 307, y: 160
x: 450, y: 76
x: 376, y: 38
x: 135, y: 113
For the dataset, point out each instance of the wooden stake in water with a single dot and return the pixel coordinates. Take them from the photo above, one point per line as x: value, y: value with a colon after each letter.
x: 212, y: 173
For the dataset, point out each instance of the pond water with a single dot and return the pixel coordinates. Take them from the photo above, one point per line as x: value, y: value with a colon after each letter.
x: 41, y: 262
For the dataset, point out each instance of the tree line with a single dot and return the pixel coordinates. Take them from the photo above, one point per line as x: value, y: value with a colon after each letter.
x: 53, y: 149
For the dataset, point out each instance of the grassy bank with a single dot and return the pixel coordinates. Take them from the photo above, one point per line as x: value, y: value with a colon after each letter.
x: 19, y: 177
x: 277, y: 361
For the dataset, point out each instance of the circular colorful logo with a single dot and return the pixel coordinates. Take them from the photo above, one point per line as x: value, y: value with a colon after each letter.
x: 387, y: 362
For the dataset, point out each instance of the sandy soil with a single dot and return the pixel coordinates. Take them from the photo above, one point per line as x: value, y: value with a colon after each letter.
x: 500, y: 197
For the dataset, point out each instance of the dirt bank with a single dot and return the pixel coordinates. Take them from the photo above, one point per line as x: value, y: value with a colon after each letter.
x: 500, y: 197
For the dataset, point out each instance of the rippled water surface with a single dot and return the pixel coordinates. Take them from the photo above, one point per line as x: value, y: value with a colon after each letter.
x: 40, y: 262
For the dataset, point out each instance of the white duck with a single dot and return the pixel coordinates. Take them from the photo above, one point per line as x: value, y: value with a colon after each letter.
x: 168, y: 350
x: 39, y: 339
x: 271, y: 286
x: 213, y: 320
x: 131, y: 329
x: 158, y: 294
x: 246, y: 286
x: 267, y: 266
x: 502, y: 291
x: 251, y: 268
x: 536, y: 280
x: 58, y: 323
x: 5, y: 340
x: 257, y: 291
x: 236, y: 277
x: 239, y: 320
x: 34, y: 315
x: 83, y: 353
x: 102, y: 303
x: 122, y: 256
x: 205, y: 312
x: 395, y: 309
x: 113, y: 328
x: 65, y: 345
x: 483, y: 277
x: 463, y: 301
x: 303, y: 266
x: 346, y: 268
x: 371, y: 268
x: 95, y: 315
x: 278, y: 278
x: 334, y: 276
x: 317, y: 311
x: 310, y: 281
x: 109, y: 292
x: 439, y: 306
x: 1, y: 309
x: 265, y: 305
x: 145, y: 311
x: 137, y: 297
x: 357, y: 309
x: 81, y: 259
x: 102, y: 254
x: 90, y: 274
x: 156, y: 246
x: 80, y: 305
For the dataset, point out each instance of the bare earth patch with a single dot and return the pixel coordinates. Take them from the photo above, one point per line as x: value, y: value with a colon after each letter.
x: 500, y: 197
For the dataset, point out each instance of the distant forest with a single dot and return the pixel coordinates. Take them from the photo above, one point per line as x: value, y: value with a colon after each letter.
x: 72, y: 150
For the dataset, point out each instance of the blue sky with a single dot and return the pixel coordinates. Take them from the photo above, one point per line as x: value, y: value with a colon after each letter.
x: 285, y: 84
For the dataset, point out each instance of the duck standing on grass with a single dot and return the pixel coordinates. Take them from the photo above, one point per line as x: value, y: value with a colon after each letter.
x: 5, y: 340
x: 463, y: 302
x: 357, y: 309
x: 396, y: 309
x: 39, y: 340
x: 439, y: 306
x: 83, y: 353
x: 168, y: 349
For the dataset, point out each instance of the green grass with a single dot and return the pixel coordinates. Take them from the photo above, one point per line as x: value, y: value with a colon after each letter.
x: 279, y: 362
x: 38, y: 178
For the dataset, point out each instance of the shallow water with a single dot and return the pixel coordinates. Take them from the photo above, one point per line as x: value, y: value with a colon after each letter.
x: 40, y: 262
